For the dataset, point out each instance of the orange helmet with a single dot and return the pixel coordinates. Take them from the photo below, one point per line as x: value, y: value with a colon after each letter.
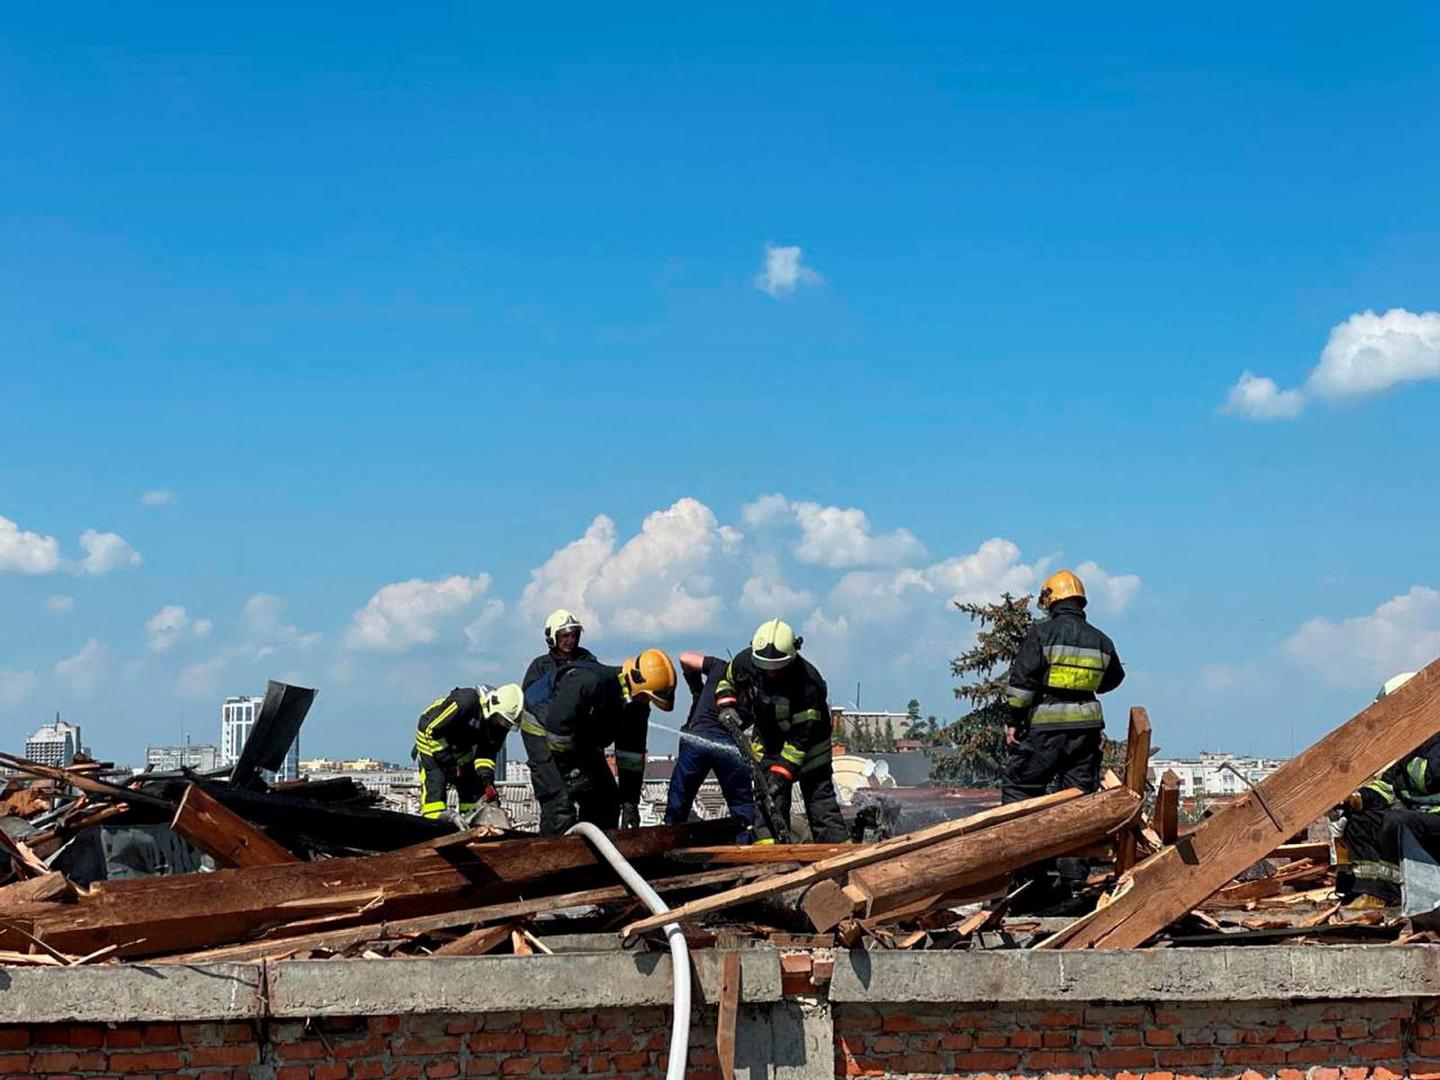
x: 1061, y: 585
x: 651, y: 675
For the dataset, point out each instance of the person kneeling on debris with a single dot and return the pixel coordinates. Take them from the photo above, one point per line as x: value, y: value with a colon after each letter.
x: 1405, y: 796
x: 707, y: 745
x: 779, y: 695
x: 1056, y: 728
x: 593, y: 706
x: 457, y: 740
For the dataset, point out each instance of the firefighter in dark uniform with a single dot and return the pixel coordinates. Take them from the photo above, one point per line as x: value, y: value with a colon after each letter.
x: 1405, y: 796
x: 595, y: 705
x: 709, y: 747
x: 1057, y: 727
x: 457, y: 740
x: 562, y: 646
x: 783, y: 700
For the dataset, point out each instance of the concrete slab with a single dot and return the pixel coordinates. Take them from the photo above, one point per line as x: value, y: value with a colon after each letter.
x: 1229, y: 973
x: 129, y: 992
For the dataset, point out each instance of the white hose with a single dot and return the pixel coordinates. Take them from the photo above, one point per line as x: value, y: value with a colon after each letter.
x: 679, y: 951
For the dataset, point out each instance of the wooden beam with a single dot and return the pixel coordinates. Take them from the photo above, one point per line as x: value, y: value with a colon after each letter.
x: 1137, y: 765
x: 223, y: 834
x: 840, y: 864
x: 966, y: 860
x: 1169, y: 884
x: 1167, y: 807
x: 754, y: 854
x: 729, y: 1012
x: 477, y: 942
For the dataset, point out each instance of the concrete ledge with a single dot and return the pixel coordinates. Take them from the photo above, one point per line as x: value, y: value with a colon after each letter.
x: 1231, y: 973
x: 123, y: 993
x: 501, y: 983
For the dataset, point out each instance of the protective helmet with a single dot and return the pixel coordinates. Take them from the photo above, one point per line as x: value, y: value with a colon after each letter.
x: 1061, y: 585
x: 1394, y: 683
x: 505, y: 704
x: 774, y: 645
x: 558, y: 622
x: 651, y: 675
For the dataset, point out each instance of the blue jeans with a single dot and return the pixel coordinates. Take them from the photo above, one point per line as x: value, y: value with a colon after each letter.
x: 692, y: 764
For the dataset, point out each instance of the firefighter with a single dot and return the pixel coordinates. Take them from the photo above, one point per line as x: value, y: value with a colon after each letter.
x: 1056, y: 726
x: 783, y: 700
x: 706, y: 746
x: 562, y: 646
x: 457, y: 740
x: 1405, y: 795
x: 595, y: 705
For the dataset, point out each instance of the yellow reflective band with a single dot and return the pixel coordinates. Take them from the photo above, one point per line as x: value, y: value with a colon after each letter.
x: 561, y: 745
x: 467, y: 807
x: 432, y: 809
x: 767, y: 840
x: 806, y: 716
x: 1017, y: 698
x: 444, y: 715
x: 1381, y: 788
x: 792, y: 753
x: 1417, y: 769
x: 485, y: 763
x: 1066, y: 676
x: 530, y: 726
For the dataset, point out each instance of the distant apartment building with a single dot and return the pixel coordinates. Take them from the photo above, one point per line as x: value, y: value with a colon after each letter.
x: 1208, y: 775
x: 849, y: 720
x: 201, y: 757
x: 397, y: 785
x: 54, y: 744
x: 237, y: 720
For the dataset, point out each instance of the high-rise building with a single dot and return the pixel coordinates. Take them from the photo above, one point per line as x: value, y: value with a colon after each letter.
x: 237, y: 720
x: 54, y: 744
x: 202, y: 757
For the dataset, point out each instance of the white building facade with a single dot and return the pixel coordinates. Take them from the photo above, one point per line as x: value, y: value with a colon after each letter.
x: 237, y: 720
x: 1208, y: 775
x: 54, y: 744
x: 201, y: 757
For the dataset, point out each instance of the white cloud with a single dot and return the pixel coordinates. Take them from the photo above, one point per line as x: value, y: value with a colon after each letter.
x: 1365, y: 354
x: 170, y: 624
x: 478, y: 632
x: 409, y: 613
x: 27, y: 552
x: 1402, y: 634
x: 16, y: 687
x: 784, y: 271
x: 84, y: 671
x: 107, y: 551
x: 659, y: 581
x: 831, y: 536
x: 1255, y: 397
x: 1107, y: 592
x: 766, y: 594
x: 60, y: 604
x: 158, y: 497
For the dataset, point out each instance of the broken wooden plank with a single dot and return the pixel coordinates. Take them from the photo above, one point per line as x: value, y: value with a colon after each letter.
x: 754, y: 854
x: 223, y: 834
x: 23, y: 861
x: 82, y: 782
x: 1167, y: 807
x: 840, y: 864
x: 953, y: 864
x: 1244, y: 831
x: 1137, y: 765
x: 729, y: 1012
x: 1317, y: 850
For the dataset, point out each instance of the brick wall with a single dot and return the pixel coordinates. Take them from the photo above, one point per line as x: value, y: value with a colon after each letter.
x: 605, y: 1043
x: 1349, y: 1040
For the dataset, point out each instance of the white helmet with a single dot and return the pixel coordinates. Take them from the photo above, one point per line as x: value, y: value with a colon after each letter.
x: 1394, y: 683
x: 558, y: 622
x: 774, y: 645
x: 505, y: 704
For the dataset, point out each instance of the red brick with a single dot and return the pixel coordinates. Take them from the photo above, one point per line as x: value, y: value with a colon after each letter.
x: 308, y: 1050
x: 489, y: 1041
x: 55, y: 1061
x: 1052, y: 1060
x: 234, y: 1054
x: 1354, y: 1029
x: 158, y: 1035
x: 367, y: 1070
x: 1185, y: 1056
x: 462, y: 1026
x: 13, y: 1064
x: 1055, y: 1040
x: 442, y: 1069
x: 1124, y: 1059
x: 921, y: 1063
x: 903, y: 1022
x: 1254, y: 1055
x: 428, y: 1046
x: 1059, y: 1019
x: 1322, y: 1033
x: 992, y: 1040
x: 1324, y: 1074
x: 329, y: 1070
x: 890, y: 1044
x: 487, y: 1066
x: 1428, y: 1047
x: 1159, y: 1037
x: 956, y: 1041
x: 1313, y: 1055
x: 626, y: 1062
x: 1378, y: 1051
x: 383, y: 1025
x: 17, y: 1038
x: 982, y: 1060
x: 124, y: 1038
x: 372, y: 1046
x: 558, y: 1063
x: 577, y: 1021
x: 1125, y: 1038
x: 518, y: 1066
x: 165, y: 1060
x: 84, y: 1036
x: 1025, y: 1040
x: 293, y: 1072
x: 406, y: 1070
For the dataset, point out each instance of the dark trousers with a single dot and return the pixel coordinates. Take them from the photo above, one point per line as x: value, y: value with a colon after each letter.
x: 693, y: 763
x: 598, y: 802
x: 1423, y: 825
x: 822, y: 808
x: 435, y: 779
x: 1373, y: 868
x: 1046, y: 761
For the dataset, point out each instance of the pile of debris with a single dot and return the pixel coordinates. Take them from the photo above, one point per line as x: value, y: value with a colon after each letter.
x: 315, y: 870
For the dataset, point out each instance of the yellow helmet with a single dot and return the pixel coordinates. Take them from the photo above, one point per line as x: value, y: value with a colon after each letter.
x: 504, y: 703
x: 774, y: 645
x: 1061, y: 585
x: 559, y: 622
x: 651, y: 675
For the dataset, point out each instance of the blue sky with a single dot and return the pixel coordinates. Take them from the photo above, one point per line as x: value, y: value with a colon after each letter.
x: 473, y: 305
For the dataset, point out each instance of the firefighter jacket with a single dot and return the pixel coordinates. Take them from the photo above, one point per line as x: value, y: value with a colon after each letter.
x: 1062, y: 665
x: 1413, y: 781
x: 590, y: 710
x: 789, y: 708
x: 453, y: 730
x: 539, y: 688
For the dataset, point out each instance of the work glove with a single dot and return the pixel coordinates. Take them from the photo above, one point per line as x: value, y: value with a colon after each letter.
x: 579, y: 783
x: 491, y: 795
x: 779, y: 768
x: 629, y: 816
